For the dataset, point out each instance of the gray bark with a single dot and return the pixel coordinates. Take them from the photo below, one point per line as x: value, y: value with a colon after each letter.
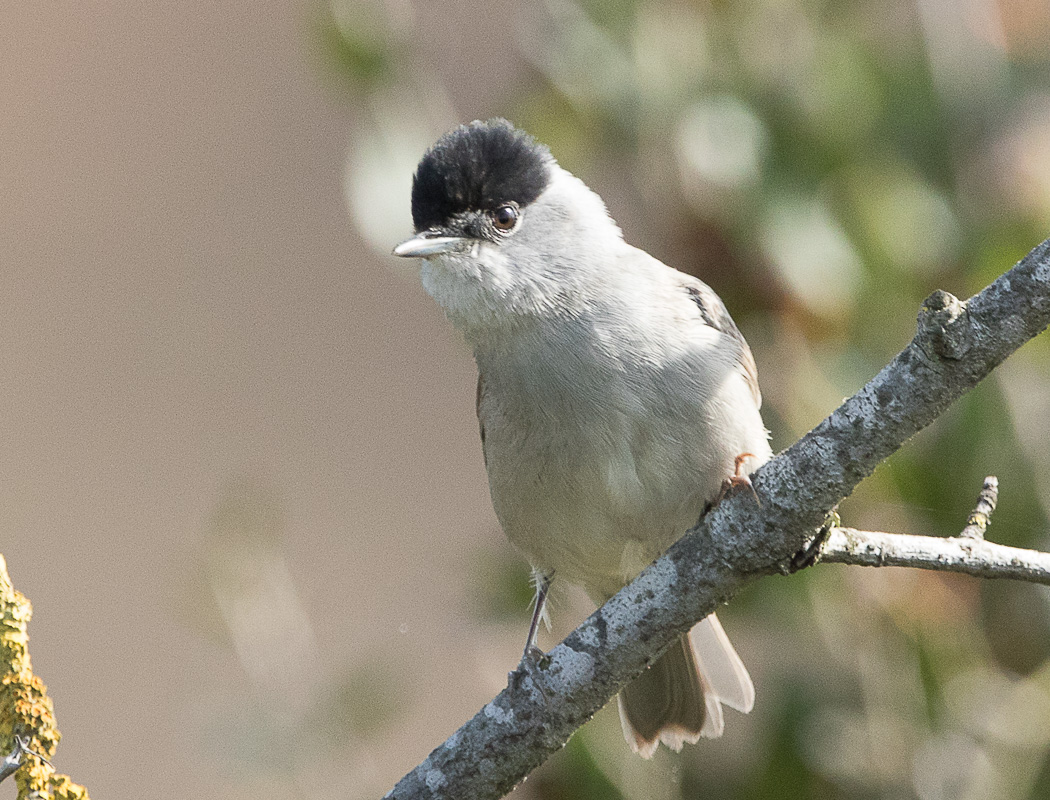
x: 956, y: 346
x: 969, y: 556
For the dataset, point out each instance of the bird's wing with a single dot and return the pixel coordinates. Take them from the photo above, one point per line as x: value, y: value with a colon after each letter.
x: 481, y: 422
x: 714, y: 313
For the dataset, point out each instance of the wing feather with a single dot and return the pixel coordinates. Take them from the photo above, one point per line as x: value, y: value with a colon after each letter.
x: 481, y: 422
x: 715, y: 314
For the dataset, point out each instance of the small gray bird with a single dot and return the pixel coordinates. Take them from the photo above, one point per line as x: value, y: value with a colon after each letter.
x: 616, y: 397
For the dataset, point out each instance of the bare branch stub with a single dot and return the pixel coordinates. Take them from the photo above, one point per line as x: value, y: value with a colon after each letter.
x: 981, y: 516
x: 978, y: 558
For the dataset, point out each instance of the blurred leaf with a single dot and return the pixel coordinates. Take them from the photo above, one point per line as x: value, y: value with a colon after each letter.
x: 785, y: 773
x: 1042, y: 782
x: 501, y: 586
x: 573, y: 775
x: 616, y: 16
x: 367, y: 699
x: 1016, y: 620
x: 360, y: 51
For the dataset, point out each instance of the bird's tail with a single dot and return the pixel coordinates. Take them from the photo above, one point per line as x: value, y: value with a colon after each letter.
x: 679, y: 698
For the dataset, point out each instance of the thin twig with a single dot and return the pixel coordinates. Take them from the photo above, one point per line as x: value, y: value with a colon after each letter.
x: 981, y: 516
x: 968, y: 555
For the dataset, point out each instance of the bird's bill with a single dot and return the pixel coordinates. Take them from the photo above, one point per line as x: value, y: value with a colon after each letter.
x: 423, y: 246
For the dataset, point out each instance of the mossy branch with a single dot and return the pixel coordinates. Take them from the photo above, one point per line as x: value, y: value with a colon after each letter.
x: 28, y: 732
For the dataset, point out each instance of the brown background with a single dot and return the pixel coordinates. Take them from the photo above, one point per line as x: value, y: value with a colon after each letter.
x: 186, y: 305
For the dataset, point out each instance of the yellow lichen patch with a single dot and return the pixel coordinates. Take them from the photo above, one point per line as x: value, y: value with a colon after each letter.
x: 25, y: 708
x: 62, y: 788
x: 15, y: 612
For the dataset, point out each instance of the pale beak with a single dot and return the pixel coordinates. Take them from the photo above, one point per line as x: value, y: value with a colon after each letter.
x: 422, y: 246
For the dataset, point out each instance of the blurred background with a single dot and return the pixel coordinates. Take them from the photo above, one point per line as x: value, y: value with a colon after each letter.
x: 241, y: 480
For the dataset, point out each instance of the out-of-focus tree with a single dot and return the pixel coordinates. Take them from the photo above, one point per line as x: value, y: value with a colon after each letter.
x: 824, y: 166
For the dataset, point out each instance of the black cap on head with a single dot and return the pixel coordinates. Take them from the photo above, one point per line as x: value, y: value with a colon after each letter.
x: 478, y: 166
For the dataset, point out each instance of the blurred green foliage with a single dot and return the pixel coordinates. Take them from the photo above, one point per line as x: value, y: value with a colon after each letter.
x: 357, y: 46
x: 824, y: 166
x: 367, y: 700
x: 503, y: 587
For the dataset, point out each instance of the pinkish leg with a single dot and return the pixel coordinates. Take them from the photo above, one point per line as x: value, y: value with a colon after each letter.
x: 738, y: 480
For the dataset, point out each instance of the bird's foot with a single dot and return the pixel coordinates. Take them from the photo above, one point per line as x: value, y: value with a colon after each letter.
x: 532, y: 664
x: 738, y: 480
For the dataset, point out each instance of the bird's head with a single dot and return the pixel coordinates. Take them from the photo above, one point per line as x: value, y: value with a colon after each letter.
x: 503, y: 231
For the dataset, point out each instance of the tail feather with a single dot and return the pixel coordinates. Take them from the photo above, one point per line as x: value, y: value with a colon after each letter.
x: 721, y: 666
x: 678, y: 699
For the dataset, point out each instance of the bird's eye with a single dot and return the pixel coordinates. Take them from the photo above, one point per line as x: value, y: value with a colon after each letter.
x: 505, y: 218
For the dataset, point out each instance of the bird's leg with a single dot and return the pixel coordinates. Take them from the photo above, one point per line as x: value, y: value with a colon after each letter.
x: 531, y: 657
x: 738, y: 480
x: 542, y: 588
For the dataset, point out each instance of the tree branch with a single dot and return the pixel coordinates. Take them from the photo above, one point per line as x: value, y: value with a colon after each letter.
x: 974, y: 557
x: 967, y: 553
x: 956, y: 346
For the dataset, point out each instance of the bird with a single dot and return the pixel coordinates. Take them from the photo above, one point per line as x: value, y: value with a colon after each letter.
x: 616, y: 397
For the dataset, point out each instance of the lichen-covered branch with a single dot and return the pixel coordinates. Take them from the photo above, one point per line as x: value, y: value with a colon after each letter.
x: 956, y: 346
x: 981, y: 516
x: 27, y: 719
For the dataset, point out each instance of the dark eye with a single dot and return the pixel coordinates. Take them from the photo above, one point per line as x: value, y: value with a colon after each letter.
x: 505, y: 218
